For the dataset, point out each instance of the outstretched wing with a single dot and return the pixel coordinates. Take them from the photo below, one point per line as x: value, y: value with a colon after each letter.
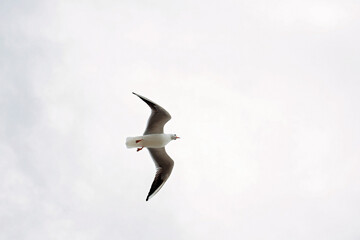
x: 159, y: 116
x: 164, y: 165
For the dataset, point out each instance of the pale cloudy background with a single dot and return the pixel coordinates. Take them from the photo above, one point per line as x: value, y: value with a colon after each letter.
x: 265, y: 95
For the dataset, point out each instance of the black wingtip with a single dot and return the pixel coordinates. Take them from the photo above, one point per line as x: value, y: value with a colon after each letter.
x: 147, y: 198
x: 137, y: 95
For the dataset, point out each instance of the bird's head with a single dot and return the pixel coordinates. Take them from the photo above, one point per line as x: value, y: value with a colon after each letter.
x: 174, y: 137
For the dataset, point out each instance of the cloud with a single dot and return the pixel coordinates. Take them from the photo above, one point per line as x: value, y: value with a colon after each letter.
x: 264, y: 97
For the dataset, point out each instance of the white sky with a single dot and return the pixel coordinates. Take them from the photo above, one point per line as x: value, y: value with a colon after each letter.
x: 264, y: 95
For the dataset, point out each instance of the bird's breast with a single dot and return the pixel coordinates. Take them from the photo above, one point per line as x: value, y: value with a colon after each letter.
x: 155, y: 140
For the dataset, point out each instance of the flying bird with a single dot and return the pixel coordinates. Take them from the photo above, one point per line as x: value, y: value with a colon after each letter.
x: 154, y: 139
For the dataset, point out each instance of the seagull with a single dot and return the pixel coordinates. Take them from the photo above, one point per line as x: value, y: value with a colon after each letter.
x: 154, y: 139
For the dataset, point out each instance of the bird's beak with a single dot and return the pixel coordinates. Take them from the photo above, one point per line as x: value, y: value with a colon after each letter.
x: 177, y: 137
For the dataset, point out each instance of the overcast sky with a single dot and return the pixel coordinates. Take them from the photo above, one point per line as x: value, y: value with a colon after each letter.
x: 264, y: 95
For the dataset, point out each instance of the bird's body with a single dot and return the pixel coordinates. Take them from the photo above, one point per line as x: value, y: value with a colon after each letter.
x: 154, y: 139
x: 149, y: 141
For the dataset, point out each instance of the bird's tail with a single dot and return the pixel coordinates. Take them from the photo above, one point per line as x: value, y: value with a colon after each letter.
x: 131, y: 142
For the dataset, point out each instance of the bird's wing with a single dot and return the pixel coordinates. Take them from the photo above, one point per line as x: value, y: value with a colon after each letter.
x: 159, y: 116
x: 164, y: 165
